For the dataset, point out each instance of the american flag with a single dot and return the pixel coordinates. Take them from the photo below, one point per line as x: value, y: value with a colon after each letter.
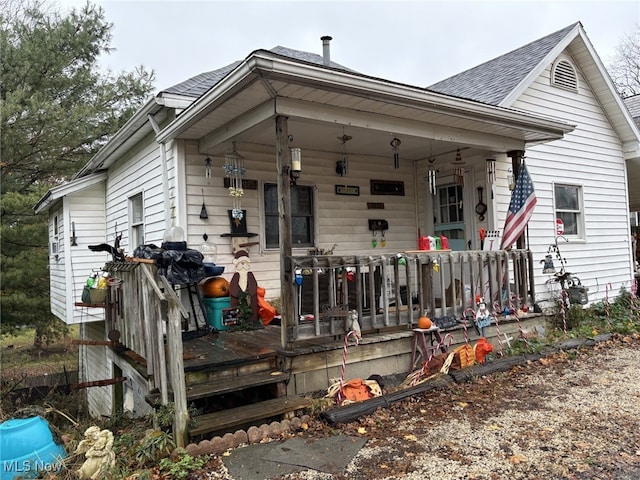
x: 523, y: 200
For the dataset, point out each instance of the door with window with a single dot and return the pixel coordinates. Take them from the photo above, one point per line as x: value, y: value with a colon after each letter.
x: 449, y: 215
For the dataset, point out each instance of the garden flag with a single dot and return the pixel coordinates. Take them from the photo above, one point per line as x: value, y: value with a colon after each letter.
x: 523, y: 200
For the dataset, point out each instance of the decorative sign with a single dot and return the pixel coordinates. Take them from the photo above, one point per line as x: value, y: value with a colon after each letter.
x: 347, y: 190
x: 387, y: 187
x: 246, y: 183
x: 559, y: 226
x: 375, y: 206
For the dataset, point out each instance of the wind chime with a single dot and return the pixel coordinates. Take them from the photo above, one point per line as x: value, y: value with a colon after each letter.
x: 207, y: 170
x: 458, y: 170
x: 342, y: 167
x: 431, y: 173
x: 395, y: 145
x: 235, y: 171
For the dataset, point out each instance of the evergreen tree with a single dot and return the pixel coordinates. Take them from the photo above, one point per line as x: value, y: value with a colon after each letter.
x: 57, y: 108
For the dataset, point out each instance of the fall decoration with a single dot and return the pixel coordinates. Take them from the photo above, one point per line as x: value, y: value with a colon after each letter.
x: 215, y: 287
x: 424, y: 322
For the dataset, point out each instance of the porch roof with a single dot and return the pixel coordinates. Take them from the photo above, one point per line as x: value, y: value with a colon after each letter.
x: 319, y: 100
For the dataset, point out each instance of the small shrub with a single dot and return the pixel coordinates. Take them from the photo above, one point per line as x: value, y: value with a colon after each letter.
x: 181, y: 468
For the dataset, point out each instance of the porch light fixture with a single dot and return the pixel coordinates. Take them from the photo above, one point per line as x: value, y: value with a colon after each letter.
x: 491, y: 170
x: 458, y: 170
x: 342, y: 165
x: 235, y: 171
x: 395, y: 145
x: 296, y: 164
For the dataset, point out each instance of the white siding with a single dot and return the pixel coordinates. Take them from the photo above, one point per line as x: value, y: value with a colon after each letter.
x: 95, y: 364
x: 86, y: 211
x: 139, y: 172
x: 591, y: 156
x: 340, y: 219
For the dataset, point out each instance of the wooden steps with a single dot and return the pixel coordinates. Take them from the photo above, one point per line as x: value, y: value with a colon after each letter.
x: 231, y: 419
x: 224, y: 385
x: 233, y: 384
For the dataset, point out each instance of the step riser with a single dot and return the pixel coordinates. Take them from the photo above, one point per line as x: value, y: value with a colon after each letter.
x: 205, y: 376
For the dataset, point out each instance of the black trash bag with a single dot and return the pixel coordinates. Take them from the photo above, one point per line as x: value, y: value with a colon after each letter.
x: 180, y: 267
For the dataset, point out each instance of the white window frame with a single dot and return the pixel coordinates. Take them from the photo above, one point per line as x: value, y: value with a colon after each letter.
x: 54, y: 248
x: 579, y: 212
x: 314, y: 217
x: 136, y: 225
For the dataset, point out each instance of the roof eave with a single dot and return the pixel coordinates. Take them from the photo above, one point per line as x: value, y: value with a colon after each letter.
x: 56, y: 193
x: 264, y: 63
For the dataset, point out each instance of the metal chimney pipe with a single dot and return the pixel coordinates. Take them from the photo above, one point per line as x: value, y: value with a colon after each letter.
x: 326, y: 50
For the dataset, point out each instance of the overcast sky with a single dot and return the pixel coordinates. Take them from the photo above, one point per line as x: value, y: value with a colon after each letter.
x: 414, y: 42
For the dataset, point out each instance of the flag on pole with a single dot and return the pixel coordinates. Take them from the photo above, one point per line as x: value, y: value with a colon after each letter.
x: 523, y: 200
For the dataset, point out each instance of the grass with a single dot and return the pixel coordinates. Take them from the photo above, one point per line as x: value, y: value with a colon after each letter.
x: 19, y: 356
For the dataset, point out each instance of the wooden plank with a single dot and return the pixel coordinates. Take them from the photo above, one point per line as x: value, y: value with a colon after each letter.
x: 233, y: 384
x: 235, y: 417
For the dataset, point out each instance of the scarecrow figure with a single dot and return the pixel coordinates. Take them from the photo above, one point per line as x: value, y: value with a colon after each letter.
x: 244, y: 287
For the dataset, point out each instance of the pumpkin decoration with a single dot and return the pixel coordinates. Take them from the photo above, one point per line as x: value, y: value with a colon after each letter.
x: 424, y: 322
x: 215, y: 287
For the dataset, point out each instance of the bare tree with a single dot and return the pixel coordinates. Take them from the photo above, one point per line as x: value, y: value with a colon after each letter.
x: 625, y: 67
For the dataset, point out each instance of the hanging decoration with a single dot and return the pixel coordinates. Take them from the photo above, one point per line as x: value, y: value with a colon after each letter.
x: 458, y: 170
x: 207, y: 169
x: 342, y: 166
x: 235, y: 171
x: 395, y: 145
x: 491, y: 170
x: 203, y: 210
x: 431, y: 176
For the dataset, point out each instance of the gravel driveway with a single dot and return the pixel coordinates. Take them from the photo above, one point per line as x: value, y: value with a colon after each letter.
x: 571, y: 415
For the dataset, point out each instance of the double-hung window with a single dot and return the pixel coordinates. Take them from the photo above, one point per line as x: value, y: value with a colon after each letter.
x: 569, y: 208
x: 136, y: 212
x: 302, y: 216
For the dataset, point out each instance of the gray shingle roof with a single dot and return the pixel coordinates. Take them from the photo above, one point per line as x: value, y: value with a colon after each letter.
x: 633, y: 105
x: 198, y: 85
x: 492, y: 81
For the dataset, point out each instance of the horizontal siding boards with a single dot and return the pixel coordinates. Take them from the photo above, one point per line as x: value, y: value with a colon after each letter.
x: 95, y: 364
x: 139, y: 173
x: 591, y: 157
x: 57, y: 277
x: 87, y: 211
x: 340, y: 219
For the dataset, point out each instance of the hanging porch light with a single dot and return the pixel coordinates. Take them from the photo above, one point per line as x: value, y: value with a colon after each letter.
x: 458, y: 169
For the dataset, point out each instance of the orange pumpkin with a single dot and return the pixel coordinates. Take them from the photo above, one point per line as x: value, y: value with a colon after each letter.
x: 424, y: 322
x: 215, y: 287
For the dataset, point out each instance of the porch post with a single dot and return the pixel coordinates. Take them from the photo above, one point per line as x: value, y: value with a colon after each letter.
x: 517, y: 157
x: 283, y: 167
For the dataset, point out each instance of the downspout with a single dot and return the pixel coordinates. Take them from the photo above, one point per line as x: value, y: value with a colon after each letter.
x: 165, y: 172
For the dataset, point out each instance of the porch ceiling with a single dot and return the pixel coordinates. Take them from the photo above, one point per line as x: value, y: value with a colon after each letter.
x: 323, y: 104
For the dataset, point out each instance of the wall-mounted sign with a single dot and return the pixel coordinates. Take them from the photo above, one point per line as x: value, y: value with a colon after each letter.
x: 387, y: 187
x: 246, y: 183
x: 347, y: 190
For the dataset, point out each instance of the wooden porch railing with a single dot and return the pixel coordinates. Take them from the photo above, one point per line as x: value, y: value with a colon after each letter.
x: 393, y: 290
x: 145, y: 310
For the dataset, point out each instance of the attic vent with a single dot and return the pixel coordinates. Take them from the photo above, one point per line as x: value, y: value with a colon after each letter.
x: 564, y: 75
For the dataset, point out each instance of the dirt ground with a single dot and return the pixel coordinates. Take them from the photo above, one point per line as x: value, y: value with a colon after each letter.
x: 573, y: 415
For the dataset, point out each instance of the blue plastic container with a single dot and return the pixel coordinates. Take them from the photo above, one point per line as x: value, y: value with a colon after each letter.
x: 27, y: 447
x: 213, y: 309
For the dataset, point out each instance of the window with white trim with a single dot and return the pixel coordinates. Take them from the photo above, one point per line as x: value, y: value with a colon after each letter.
x: 136, y: 219
x: 569, y: 208
x: 54, y: 248
x: 302, y: 216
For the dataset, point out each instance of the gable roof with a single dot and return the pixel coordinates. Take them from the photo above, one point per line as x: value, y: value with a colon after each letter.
x: 491, y: 82
x: 196, y: 86
x: 633, y: 105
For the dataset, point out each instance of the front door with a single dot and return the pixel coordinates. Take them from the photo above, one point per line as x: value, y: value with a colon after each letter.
x: 449, y: 215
